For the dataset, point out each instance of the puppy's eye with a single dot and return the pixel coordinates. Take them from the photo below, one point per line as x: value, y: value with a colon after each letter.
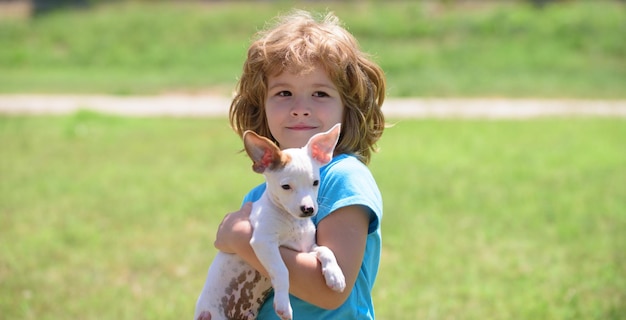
x: 316, y: 183
x: 285, y: 187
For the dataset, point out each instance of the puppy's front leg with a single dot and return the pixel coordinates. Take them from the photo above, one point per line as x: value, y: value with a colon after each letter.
x: 330, y: 268
x: 268, y: 253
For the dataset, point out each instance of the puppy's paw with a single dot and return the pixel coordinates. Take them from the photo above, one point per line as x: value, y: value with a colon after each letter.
x: 331, y: 270
x: 334, y: 278
x: 283, y: 308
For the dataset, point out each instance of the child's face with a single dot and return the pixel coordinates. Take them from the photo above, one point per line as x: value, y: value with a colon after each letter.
x: 301, y: 105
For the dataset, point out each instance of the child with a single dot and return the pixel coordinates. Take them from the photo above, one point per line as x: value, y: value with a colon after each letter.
x: 300, y: 78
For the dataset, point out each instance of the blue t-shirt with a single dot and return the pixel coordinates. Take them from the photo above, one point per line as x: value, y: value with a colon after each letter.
x: 345, y: 181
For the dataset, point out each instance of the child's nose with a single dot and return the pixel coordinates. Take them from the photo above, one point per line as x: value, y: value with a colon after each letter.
x: 296, y: 113
x: 300, y: 108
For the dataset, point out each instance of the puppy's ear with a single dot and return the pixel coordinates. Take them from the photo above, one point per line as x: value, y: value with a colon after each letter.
x: 263, y: 152
x: 322, y: 145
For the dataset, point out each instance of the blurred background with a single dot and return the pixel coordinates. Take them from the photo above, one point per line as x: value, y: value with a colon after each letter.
x: 445, y: 48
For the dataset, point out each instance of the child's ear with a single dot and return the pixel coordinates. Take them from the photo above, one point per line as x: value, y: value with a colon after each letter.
x: 322, y: 145
x: 263, y: 152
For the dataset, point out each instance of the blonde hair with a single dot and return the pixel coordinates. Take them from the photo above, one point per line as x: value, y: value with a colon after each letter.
x: 298, y: 42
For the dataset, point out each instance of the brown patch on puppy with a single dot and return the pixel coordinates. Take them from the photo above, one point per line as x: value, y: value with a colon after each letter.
x: 284, y: 160
x: 240, y: 306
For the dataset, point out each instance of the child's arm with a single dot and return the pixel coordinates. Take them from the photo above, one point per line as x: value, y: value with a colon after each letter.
x: 344, y: 232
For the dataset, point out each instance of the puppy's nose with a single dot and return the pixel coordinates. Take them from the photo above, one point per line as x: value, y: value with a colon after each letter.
x: 307, y: 211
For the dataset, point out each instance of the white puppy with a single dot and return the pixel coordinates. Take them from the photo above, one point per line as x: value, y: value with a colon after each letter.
x: 281, y: 217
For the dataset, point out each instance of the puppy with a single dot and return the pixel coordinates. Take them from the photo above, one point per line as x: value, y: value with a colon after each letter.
x: 281, y: 217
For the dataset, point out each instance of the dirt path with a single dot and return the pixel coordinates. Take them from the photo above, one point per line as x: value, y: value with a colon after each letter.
x: 211, y: 106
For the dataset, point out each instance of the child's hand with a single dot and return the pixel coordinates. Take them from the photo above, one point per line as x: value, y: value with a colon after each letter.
x: 235, y: 230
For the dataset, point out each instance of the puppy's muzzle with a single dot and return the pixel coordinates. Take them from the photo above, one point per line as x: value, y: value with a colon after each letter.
x: 307, y: 211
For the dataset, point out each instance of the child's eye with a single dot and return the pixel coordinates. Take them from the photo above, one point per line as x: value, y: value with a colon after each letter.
x: 320, y: 94
x: 284, y: 94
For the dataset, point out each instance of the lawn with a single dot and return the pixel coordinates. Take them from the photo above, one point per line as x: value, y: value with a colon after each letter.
x: 106, y: 217
x: 572, y: 49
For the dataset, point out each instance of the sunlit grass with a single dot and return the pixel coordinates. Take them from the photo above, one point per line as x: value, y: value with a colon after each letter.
x: 113, y: 218
x: 569, y: 49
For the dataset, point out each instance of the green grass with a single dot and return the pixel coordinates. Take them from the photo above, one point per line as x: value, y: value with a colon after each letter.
x: 113, y: 218
x: 571, y: 49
